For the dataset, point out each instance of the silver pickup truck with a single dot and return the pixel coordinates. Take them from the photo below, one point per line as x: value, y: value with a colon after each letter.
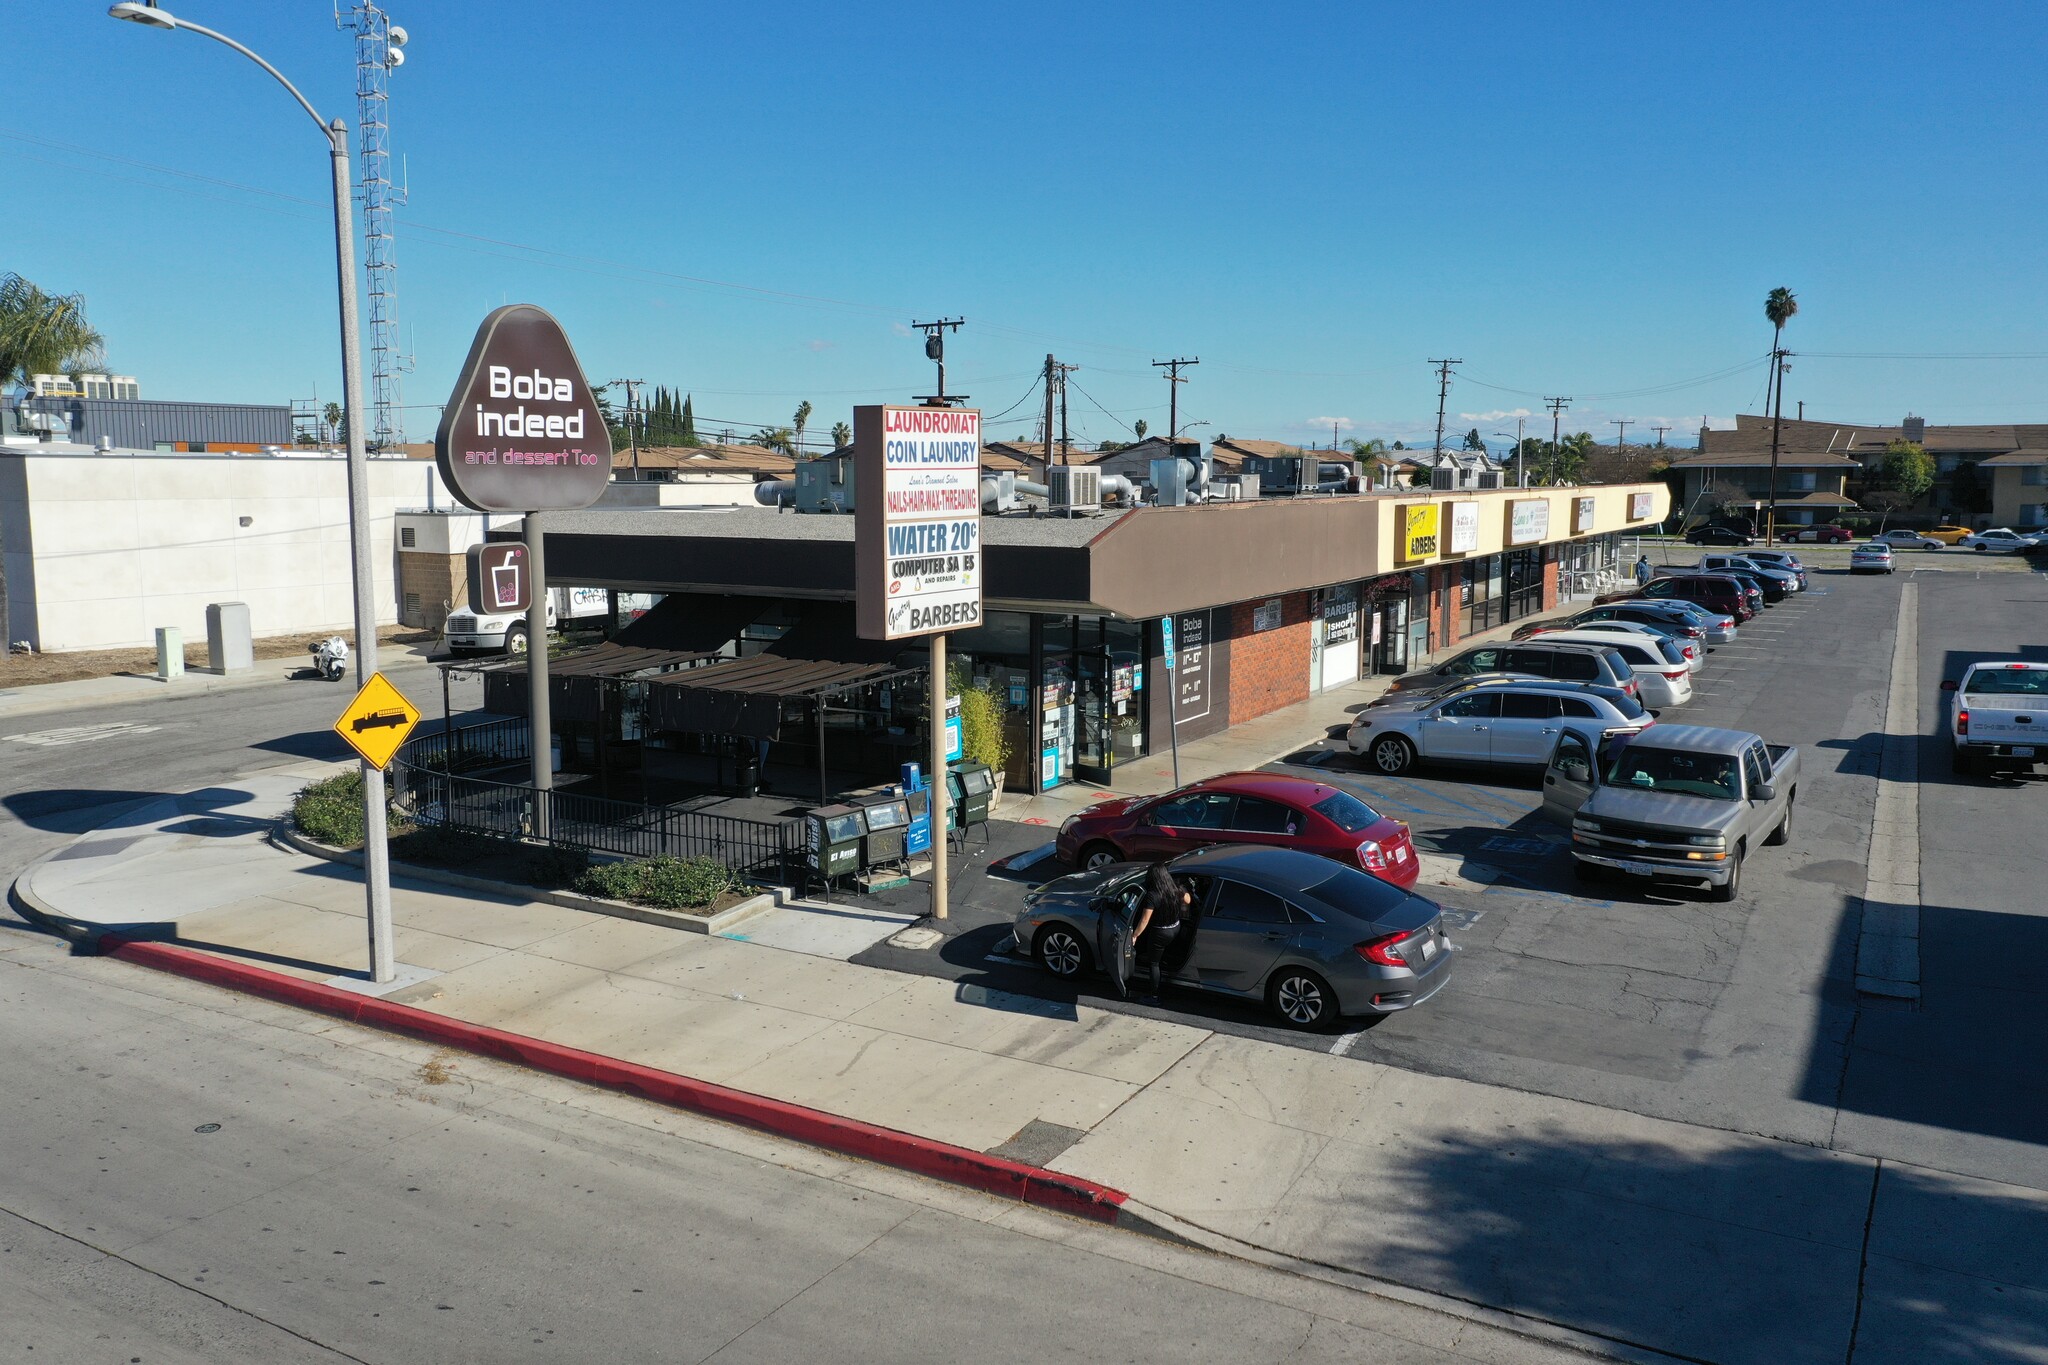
x: 1998, y: 714
x: 1675, y: 801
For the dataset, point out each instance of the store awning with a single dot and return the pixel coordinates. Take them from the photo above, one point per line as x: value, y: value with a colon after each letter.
x: 576, y: 681
x: 747, y: 697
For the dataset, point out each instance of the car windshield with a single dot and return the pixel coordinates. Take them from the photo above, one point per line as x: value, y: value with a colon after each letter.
x: 1675, y: 771
x: 1346, y: 812
x: 2010, y: 682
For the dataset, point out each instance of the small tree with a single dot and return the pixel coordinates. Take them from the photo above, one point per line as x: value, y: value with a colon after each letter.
x: 1472, y: 441
x: 1139, y: 428
x: 688, y: 435
x: 1906, y: 467
x: 842, y: 436
x: 776, y: 438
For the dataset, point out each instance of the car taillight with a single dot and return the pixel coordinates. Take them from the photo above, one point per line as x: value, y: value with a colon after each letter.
x: 1381, y: 950
x: 1962, y: 722
x: 1629, y: 687
x: 1675, y: 674
x: 1371, y: 856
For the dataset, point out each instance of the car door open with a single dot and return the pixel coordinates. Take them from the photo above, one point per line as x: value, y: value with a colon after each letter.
x: 1570, y: 777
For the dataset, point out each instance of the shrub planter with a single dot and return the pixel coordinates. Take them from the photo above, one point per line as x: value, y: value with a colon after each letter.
x: 710, y: 920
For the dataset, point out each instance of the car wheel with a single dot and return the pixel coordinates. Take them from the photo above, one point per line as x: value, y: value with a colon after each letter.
x: 1099, y: 855
x: 1302, y: 999
x: 1782, y: 835
x: 1980, y: 549
x: 1733, y: 888
x: 515, y: 640
x: 1392, y: 755
x: 1060, y: 951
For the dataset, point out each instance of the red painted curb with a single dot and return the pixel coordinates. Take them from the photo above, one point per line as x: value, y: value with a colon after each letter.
x: 885, y: 1146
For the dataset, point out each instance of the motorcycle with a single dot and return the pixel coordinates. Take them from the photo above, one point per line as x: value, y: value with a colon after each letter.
x: 330, y: 657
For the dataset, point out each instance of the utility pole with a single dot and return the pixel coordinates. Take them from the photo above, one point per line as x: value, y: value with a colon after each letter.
x: 1660, y: 435
x: 1443, y: 391
x: 1557, y: 407
x: 1173, y: 383
x: 1621, y: 437
x: 1064, y: 371
x: 632, y: 422
x: 935, y: 350
x: 1778, y: 368
x: 1052, y: 368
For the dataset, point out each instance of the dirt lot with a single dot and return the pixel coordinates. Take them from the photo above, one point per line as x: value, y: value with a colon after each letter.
x: 25, y: 670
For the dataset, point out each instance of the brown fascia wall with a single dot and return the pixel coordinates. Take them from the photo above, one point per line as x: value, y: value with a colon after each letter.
x: 1268, y: 668
x: 1163, y: 559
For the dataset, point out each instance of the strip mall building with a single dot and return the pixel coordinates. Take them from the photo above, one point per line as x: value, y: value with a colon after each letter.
x: 1272, y: 600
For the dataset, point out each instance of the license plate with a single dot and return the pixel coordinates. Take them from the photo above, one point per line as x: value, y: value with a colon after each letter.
x: 1401, y: 854
x: 1640, y: 869
x: 2023, y: 751
x: 1428, y: 949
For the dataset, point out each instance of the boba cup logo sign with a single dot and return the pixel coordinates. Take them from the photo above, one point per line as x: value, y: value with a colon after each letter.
x: 522, y: 432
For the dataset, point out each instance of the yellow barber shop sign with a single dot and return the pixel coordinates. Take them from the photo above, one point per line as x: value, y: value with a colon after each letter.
x: 1419, y: 523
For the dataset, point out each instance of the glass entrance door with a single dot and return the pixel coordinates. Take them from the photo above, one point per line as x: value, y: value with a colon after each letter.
x: 1094, y: 711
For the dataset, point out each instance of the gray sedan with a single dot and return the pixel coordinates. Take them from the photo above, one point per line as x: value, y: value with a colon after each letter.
x: 1311, y: 939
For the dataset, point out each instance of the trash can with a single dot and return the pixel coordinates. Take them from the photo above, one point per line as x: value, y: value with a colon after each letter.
x: 746, y: 772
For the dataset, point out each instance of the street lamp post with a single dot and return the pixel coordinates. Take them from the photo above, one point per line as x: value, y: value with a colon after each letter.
x: 376, y: 856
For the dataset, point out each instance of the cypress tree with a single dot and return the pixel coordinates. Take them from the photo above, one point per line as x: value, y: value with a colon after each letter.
x: 688, y: 435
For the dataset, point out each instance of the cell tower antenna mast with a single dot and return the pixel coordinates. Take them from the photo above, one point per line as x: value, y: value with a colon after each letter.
x: 380, y: 48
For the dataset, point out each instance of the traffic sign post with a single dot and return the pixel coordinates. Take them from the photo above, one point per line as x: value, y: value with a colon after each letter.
x: 1172, y: 695
x: 377, y: 722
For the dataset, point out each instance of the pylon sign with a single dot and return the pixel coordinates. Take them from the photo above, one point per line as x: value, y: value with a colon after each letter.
x: 377, y: 721
x: 522, y: 432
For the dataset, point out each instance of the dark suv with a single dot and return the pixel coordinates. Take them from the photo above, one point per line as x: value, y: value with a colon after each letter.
x: 1715, y: 592
x: 1600, y: 665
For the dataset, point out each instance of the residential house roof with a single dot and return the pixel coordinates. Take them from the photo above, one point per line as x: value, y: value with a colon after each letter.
x: 736, y: 459
x: 1751, y: 459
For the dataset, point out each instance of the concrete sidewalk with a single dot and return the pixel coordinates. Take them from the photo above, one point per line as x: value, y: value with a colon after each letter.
x: 121, y: 688
x: 1643, y: 1234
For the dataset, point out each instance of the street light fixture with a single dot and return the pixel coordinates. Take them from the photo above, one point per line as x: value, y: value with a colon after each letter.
x: 376, y: 856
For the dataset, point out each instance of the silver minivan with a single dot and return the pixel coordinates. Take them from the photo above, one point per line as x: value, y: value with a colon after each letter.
x: 1599, y: 665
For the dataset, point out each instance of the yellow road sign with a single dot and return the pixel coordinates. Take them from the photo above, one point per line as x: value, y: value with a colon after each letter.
x: 377, y: 721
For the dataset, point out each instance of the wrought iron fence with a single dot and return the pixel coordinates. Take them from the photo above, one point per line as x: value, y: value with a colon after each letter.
x: 765, y: 850
x: 466, y: 747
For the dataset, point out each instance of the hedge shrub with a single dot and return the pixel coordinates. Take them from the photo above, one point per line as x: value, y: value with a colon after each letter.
x: 331, y: 811
x: 666, y: 883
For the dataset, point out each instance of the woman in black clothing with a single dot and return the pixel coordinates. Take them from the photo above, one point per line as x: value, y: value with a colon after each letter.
x: 1160, y: 917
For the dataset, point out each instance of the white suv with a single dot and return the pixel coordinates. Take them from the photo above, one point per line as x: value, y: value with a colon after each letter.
x: 1663, y: 675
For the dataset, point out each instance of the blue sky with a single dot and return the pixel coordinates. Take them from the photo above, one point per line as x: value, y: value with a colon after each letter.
x: 750, y: 203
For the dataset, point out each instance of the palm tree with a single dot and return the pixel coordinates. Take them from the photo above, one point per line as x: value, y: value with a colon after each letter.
x: 802, y: 419
x: 1138, y: 428
x: 776, y: 438
x: 1365, y: 450
x: 43, y: 333
x: 842, y: 436
x: 1779, y: 306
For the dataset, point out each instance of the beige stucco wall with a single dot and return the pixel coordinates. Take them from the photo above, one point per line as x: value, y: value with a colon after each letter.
x: 2018, y: 504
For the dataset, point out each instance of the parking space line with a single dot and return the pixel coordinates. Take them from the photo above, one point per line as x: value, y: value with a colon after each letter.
x: 1342, y: 1047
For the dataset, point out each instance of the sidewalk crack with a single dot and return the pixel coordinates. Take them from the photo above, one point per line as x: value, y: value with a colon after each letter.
x: 1863, y: 1263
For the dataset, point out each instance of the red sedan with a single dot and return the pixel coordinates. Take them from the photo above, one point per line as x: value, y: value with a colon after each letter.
x: 1242, y: 808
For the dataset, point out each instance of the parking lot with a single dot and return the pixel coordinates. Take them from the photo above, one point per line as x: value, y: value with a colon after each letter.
x: 1648, y: 998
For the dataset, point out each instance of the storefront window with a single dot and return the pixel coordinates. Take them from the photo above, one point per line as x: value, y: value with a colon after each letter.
x: 1524, y: 583
x: 1479, y: 594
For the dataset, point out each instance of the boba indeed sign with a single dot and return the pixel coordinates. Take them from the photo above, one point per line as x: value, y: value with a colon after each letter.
x: 522, y: 432
x: 917, y: 520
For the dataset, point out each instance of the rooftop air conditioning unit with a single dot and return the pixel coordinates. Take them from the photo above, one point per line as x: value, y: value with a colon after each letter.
x: 1444, y: 476
x: 1280, y: 475
x: 824, y: 485
x: 1169, y: 482
x: 1073, y: 488
x: 1489, y: 478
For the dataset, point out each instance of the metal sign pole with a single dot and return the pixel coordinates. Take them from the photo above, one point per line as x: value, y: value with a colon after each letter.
x: 936, y: 779
x: 542, y: 739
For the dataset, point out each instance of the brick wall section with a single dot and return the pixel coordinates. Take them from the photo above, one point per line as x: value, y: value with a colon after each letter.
x: 436, y: 578
x: 1450, y: 613
x: 1549, y: 582
x: 1268, y: 668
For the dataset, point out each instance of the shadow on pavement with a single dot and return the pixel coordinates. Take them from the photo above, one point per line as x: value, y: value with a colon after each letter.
x: 64, y: 810
x: 1730, y: 1254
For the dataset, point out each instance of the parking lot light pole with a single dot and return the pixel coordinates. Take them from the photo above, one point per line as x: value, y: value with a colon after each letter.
x: 376, y: 856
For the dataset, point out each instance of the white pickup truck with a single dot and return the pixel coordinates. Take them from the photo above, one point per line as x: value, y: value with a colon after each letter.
x: 1999, y: 716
